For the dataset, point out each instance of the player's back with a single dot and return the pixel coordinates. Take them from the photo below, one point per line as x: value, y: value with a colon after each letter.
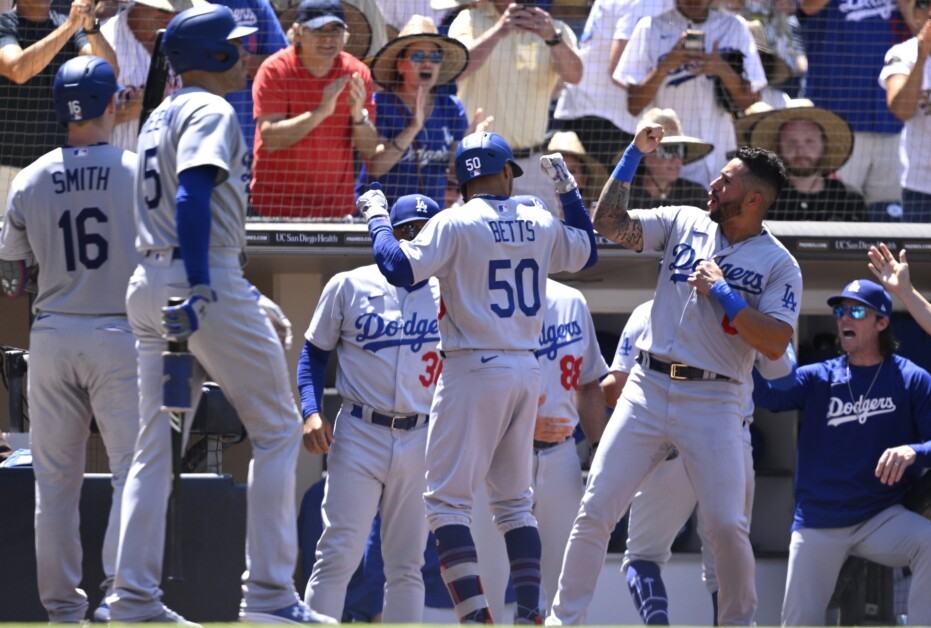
x: 492, y: 258
x: 76, y: 203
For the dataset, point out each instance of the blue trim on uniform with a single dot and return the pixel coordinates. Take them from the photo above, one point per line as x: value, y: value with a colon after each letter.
x: 389, y: 257
x: 192, y: 214
x: 577, y: 216
x: 311, y: 375
x: 627, y: 165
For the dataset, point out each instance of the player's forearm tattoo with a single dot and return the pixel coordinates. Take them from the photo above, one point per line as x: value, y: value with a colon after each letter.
x: 611, y: 218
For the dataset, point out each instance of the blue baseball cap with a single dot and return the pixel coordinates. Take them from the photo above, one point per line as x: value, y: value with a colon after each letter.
x: 319, y: 13
x: 868, y: 293
x: 411, y: 208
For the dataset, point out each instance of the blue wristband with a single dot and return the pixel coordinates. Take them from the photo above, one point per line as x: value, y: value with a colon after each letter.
x: 627, y: 165
x: 729, y: 300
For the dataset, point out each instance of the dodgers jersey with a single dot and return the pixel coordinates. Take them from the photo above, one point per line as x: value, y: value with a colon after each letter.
x: 845, y: 429
x: 66, y: 209
x: 175, y: 138
x: 689, y: 327
x: 568, y: 353
x: 498, y: 303
x: 383, y: 337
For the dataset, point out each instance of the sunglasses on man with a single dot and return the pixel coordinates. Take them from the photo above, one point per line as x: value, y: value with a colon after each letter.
x: 857, y: 312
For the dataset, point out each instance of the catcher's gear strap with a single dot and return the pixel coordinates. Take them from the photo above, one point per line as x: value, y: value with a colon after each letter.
x: 14, y: 275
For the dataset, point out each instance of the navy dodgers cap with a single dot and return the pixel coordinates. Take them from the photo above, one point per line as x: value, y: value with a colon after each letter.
x: 318, y: 13
x: 868, y: 293
x: 412, y: 207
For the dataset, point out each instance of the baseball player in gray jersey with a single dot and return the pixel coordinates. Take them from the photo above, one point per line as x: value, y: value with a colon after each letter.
x: 726, y: 288
x: 192, y: 173
x: 571, y: 365
x: 67, y: 211
x: 491, y: 257
x: 376, y: 453
x: 665, y: 500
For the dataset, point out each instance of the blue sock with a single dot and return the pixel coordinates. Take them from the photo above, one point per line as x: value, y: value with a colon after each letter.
x: 714, y: 605
x: 459, y: 568
x: 649, y: 593
x: 523, y: 545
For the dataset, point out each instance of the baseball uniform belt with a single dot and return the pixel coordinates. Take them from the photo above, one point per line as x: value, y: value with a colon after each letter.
x: 403, y: 422
x: 676, y: 370
x: 541, y: 445
x: 522, y: 153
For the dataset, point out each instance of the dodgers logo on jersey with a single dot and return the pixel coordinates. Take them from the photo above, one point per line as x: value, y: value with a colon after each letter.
x: 685, y: 260
x: 383, y: 334
x: 555, y: 337
x: 840, y: 412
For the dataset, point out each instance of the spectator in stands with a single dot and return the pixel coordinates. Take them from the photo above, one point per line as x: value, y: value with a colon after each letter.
x: 775, y: 68
x: 813, y: 143
x: 658, y: 181
x: 267, y: 40
x: 783, y: 35
x: 34, y: 42
x: 368, y: 32
x: 589, y: 174
x: 399, y: 12
x: 663, y: 65
x: 313, y: 105
x: 906, y: 77
x: 596, y: 107
x: 419, y: 128
x: 517, y: 55
x: 131, y: 34
x: 846, y: 44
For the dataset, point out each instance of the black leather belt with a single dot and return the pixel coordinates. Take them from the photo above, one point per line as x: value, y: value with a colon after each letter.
x: 522, y: 153
x: 405, y: 423
x: 541, y: 445
x: 677, y: 370
x: 175, y: 253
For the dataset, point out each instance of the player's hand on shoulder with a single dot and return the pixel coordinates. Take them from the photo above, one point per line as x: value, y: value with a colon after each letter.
x: 648, y: 138
x: 318, y: 434
x: 180, y: 321
x: 555, y: 168
x: 373, y: 204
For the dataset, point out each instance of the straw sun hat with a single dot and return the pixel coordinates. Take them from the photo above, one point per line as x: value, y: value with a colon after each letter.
x: 695, y: 148
x: 761, y: 128
x: 419, y: 29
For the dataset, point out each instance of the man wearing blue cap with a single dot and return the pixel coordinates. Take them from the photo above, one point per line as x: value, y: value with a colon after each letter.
x: 864, y: 439
x: 386, y: 341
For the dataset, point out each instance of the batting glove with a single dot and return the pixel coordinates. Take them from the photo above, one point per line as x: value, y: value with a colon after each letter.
x: 373, y: 204
x: 180, y: 321
x: 276, y: 317
x: 555, y: 168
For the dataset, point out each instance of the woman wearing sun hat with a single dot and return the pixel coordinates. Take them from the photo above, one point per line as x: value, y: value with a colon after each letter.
x: 658, y: 181
x: 419, y: 127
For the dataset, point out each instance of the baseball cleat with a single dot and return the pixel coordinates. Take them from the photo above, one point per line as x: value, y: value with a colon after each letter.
x: 297, y: 613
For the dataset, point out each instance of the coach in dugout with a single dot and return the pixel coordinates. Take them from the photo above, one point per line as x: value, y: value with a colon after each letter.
x: 864, y: 438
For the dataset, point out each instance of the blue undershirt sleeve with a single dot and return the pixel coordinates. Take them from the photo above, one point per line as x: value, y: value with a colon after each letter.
x: 192, y: 215
x: 311, y: 374
x: 389, y: 257
x: 577, y: 216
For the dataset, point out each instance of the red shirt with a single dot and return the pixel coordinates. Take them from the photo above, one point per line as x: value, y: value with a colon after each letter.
x: 314, y: 177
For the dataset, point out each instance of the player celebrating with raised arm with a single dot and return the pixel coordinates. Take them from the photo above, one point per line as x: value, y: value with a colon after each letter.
x: 376, y: 458
x: 864, y: 439
x: 697, y: 349
x: 82, y: 355
x: 491, y: 257
x: 190, y: 214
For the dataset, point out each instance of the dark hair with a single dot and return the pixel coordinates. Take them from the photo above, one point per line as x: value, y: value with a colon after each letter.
x: 766, y: 167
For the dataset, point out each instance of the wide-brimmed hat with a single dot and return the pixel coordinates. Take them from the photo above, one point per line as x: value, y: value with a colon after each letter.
x: 838, y: 136
x: 568, y: 143
x: 776, y: 69
x: 695, y: 148
x: 419, y: 29
x: 173, y: 6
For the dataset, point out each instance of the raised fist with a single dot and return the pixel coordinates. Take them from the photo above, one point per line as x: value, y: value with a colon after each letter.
x: 555, y: 168
x: 373, y: 203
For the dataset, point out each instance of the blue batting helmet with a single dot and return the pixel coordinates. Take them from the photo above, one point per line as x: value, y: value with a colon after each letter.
x: 198, y: 39
x: 411, y: 208
x: 83, y: 88
x: 481, y: 154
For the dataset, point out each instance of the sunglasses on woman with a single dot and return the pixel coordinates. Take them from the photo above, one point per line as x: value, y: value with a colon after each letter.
x: 419, y: 56
x: 857, y: 312
x: 668, y: 151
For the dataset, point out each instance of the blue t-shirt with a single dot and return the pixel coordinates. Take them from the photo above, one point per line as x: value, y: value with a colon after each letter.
x: 842, y: 436
x: 269, y: 39
x: 431, y: 148
x: 846, y: 44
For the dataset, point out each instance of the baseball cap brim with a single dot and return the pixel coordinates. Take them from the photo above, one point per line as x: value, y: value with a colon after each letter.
x: 515, y: 168
x: 837, y: 298
x: 241, y: 31
x: 323, y: 20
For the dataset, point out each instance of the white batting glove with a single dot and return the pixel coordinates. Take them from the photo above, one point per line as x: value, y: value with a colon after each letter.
x: 555, y: 168
x: 373, y: 204
x: 180, y: 321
